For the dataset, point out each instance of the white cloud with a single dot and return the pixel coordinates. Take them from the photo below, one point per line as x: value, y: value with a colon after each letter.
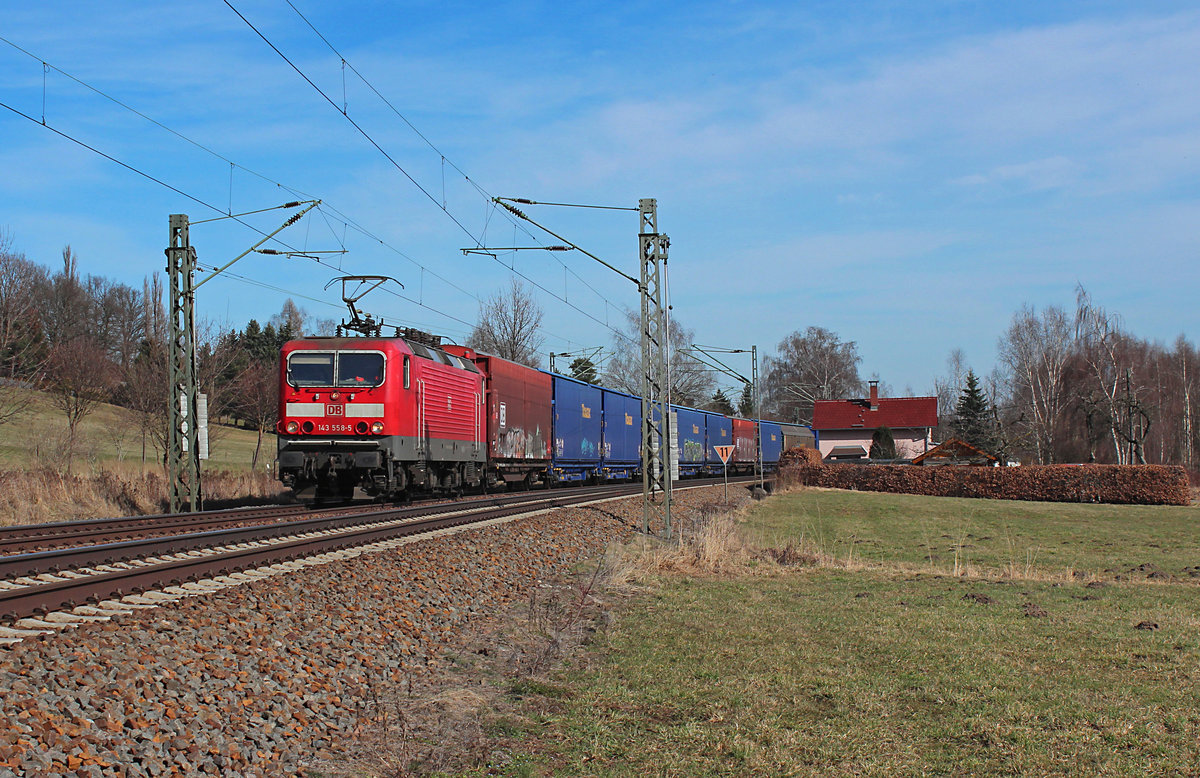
x: 1073, y: 90
x: 1050, y: 173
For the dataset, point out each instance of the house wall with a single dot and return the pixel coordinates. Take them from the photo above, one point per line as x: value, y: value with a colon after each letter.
x: 909, y: 442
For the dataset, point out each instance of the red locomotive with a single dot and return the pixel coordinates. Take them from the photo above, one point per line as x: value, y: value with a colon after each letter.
x: 380, y: 414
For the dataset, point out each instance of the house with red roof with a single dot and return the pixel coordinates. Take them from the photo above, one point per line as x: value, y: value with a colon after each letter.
x: 844, y: 427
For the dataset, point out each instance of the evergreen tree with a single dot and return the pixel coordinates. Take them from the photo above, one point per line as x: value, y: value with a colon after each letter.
x: 883, y: 445
x: 746, y: 402
x: 973, y: 422
x: 268, y: 346
x: 252, y: 340
x: 720, y: 403
x: 584, y: 370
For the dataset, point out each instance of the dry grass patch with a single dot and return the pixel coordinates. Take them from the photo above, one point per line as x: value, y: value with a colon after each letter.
x: 710, y: 544
x: 38, y: 496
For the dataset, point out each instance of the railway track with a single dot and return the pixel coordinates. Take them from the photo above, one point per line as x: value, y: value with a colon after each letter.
x: 36, y: 537
x: 26, y: 538
x: 65, y: 579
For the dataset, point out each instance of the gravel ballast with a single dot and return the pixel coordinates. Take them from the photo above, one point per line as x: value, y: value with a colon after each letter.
x: 258, y: 679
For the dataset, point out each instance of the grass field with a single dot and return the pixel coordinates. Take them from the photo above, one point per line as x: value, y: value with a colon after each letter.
x: 869, y: 656
x: 110, y: 438
x: 108, y: 476
x: 985, y: 537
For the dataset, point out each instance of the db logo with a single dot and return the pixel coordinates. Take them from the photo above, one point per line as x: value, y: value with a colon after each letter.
x: 335, y: 410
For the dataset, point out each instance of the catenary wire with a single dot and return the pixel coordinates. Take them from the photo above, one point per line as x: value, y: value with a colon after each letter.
x: 445, y: 160
x: 347, y: 221
x: 267, y: 179
x: 175, y: 189
x: 356, y: 125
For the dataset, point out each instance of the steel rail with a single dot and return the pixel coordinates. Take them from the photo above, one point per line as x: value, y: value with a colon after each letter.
x: 19, y: 539
x: 13, y: 538
x: 56, y: 560
x: 69, y: 593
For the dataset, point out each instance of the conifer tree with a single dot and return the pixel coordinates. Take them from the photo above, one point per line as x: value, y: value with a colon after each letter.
x: 720, y: 403
x: 584, y: 370
x: 883, y: 445
x: 746, y: 402
x: 973, y: 422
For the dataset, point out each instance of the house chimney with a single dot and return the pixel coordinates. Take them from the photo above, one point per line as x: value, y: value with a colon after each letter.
x: 874, y: 395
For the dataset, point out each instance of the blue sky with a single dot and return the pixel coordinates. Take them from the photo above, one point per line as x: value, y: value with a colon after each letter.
x: 906, y: 175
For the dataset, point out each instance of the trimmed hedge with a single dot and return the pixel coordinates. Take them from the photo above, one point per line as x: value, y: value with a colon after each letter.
x: 1118, y: 484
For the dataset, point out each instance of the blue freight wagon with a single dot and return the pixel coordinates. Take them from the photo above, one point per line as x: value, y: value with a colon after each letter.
x: 720, y: 433
x: 691, y: 434
x: 621, y: 449
x: 772, y: 443
x: 578, y: 430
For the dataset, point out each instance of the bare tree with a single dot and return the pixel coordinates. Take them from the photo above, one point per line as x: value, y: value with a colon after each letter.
x: 258, y: 400
x: 811, y: 365
x: 80, y: 378
x: 508, y: 326
x: 146, y: 394
x: 291, y: 318
x: 217, y: 354
x: 1100, y: 340
x: 22, y: 348
x: 1035, y: 350
x: 297, y: 322
x: 691, y: 381
x: 118, y: 322
x: 65, y: 307
x: 154, y: 315
x: 947, y: 388
x: 1187, y: 423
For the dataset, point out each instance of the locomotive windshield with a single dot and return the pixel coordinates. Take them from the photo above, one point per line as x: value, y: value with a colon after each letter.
x: 359, y: 368
x: 352, y: 368
x: 307, y: 368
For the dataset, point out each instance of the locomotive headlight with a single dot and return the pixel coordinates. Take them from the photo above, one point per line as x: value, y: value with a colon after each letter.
x: 292, y: 427
x: 377, y: 428
x: 335, y: 396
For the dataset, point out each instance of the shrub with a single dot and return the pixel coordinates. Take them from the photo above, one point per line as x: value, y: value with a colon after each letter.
x: 1117, y: 484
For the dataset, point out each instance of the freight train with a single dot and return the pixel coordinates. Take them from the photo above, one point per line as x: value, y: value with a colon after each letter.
x: 392, y: 416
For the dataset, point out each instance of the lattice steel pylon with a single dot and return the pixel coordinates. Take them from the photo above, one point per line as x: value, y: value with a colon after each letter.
x: 656, y: 389
x: 183, y: 454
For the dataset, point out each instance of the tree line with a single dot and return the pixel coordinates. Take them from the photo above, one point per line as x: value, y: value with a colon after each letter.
x: 85, y: 339
x: 1069, y: 386
x: 1077, y: 386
